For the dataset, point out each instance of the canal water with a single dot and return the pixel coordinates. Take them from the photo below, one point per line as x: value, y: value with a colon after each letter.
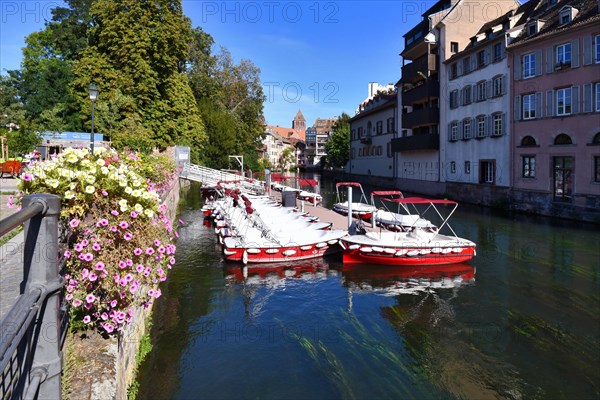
x: 521, y: 321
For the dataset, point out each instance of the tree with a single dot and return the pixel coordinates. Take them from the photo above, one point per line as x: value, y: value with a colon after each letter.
x: 138, y: 49
x: 338, y: 146
x: 288, y: 158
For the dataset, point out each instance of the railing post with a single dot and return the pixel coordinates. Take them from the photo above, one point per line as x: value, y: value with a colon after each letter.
x: 41, y: 270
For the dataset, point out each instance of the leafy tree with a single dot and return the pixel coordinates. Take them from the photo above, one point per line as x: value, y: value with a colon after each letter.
x: 138, y: 49
x: 13, y: 112
x: 288, y: 158
x: 23, y: 140
x: 338, y: 146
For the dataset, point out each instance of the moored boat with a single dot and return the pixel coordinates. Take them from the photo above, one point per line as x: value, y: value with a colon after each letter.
x: 419, y: 245
x: 361, y: 209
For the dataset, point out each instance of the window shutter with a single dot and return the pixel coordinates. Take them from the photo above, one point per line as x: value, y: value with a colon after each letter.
x: 459, y: 68
x: 503, y: 124
x: 459, y: 129
x: 488, y: 55
x: 587, y: 50
x: 575, y: 100
x: 473, y: 62
x: 459, y: 97
x: 504, y: 83
x: 587, y: 97
x: 517, y: 108
x: 450, y: 132
x: 538, y: 104
x: 538, y: 62
x: 549, y: 60
x: 517, y: 66
x: 489, y: 89
x: 489, y: 125
x: 575, y: 53
x: 550, y: 103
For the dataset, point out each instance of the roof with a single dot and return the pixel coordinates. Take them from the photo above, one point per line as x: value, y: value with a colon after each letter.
x: 386, y: 101
x: 587, y: 13
x: 299, y: 116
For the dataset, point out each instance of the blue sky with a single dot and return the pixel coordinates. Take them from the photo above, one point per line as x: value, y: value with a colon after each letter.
x: 314, y: 56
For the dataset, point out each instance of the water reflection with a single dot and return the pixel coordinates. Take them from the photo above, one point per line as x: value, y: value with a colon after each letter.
x: 391, y: 281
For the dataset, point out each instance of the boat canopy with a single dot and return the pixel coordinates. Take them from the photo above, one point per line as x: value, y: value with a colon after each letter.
x: 387, y: 193
x: 355, y: 184
x: 308, y: 182
x: 420, y: 200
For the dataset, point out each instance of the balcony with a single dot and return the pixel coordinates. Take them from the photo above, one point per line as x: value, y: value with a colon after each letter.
x: 424, y: 116
x: 416, y: 142
x: 414, y: 40
x: 419, y: 68
x: 421, y: 93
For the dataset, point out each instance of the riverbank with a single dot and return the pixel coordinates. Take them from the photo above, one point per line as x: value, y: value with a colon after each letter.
x: 585, y: 209
x: 98, y: 367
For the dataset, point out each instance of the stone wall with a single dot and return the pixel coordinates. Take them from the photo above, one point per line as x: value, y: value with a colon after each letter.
x: 129, y: 342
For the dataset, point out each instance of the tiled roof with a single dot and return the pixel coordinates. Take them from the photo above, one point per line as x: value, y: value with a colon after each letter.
x: 587, y: 13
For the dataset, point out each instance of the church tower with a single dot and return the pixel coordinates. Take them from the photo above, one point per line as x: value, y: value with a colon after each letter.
x: 299, y: 124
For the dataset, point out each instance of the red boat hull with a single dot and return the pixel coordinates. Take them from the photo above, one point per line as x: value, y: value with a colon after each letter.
x: 357, y: 256
x: 283, y: 254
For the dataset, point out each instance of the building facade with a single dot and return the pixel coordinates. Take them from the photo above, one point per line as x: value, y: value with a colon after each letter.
x: 555, y: 62
x: 476, y: 146
x: 371, y: 134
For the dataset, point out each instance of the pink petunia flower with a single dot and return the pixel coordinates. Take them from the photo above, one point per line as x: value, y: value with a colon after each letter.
x: 128, y: 236
x: 114, y: 212
x: 67, y: 254
x: 74, y: 223
x: 122, y: 264
x: 161, y: 249
x: 93, y: 277
x: 99, y: 266
x: 108, y: 327
x: 129, y: 262
x: 68, y: 296
x: 87, y: 319
x: 113, y: 304
x: 156, y: 242
x: 123, y: 225
x: 139, y: 268
x: 113, y: 228
x: 27, y: 177
x: 76, y: 303
x: 90, y: 298
x: 79, y: 247
x: 104, y: 193
x: 137, y: 251
x: 149, y: 251
x: 104, y: 316
x: 96, y: 246
x: 88, y: 256
x: 133, y: 214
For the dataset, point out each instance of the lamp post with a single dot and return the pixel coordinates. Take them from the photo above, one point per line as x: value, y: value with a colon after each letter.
x: 93, y: 91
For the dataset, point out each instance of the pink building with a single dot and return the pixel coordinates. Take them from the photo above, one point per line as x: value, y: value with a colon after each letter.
x: 554, y: 59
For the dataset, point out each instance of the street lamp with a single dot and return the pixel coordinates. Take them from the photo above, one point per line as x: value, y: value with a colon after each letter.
x: 93, y: 91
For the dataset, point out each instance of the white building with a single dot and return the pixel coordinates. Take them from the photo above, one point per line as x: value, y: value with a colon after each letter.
x: 371, y: 134
x: 274, y: 144
x: 476, y: 143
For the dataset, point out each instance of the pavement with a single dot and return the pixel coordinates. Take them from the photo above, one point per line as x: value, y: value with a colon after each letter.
x: 11, y: 253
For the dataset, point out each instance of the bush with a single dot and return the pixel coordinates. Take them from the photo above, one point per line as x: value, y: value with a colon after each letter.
x: 120, y: 243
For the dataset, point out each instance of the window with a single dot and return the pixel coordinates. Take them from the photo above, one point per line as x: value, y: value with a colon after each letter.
x: 391, y: 125
x: 487, y: 172
x: 353, y: 153
x: 481, y: 59
x: 563, y: 101
x: 390, y: 154
x: 597, y: 97
x: 532, y: 28
x: 467, y: 128
x: 454, y: 131
x: 596, y: 168
x: 466, y: 65
x: 452, y: 167
x: 529, y: 65
x: 454, y: 99
x: 497, y: 52
x: 563, y: 55
x: 528, y: 166
x: 565, y: 16
x: 454, y: 47
x: 497, y: 125
x: 497, y: 86
x: 379, y: 127
x: 480, y: 91
x: 529, y: 106
x: 467, y: 95
x: 563, y: 138
x: 467, y: 167
x: 361, y: 132
x: 453, y: 71
x: 597, y: 49
x: 528, y: 141
x: 481, y: 126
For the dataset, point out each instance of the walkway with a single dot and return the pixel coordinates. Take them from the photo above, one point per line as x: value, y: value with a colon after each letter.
x: 11, y: 253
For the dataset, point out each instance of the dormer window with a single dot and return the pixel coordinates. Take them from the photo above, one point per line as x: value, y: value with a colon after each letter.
x: 566, y: 15
x: 532, y: 28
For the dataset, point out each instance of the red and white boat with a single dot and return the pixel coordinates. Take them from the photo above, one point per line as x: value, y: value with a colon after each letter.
x: 414, y: 245
x: 395, y: 221
x: 266, y: 233
x: 361, y: 209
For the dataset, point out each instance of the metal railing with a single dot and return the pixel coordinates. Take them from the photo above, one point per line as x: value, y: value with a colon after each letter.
x: 32, y: 331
